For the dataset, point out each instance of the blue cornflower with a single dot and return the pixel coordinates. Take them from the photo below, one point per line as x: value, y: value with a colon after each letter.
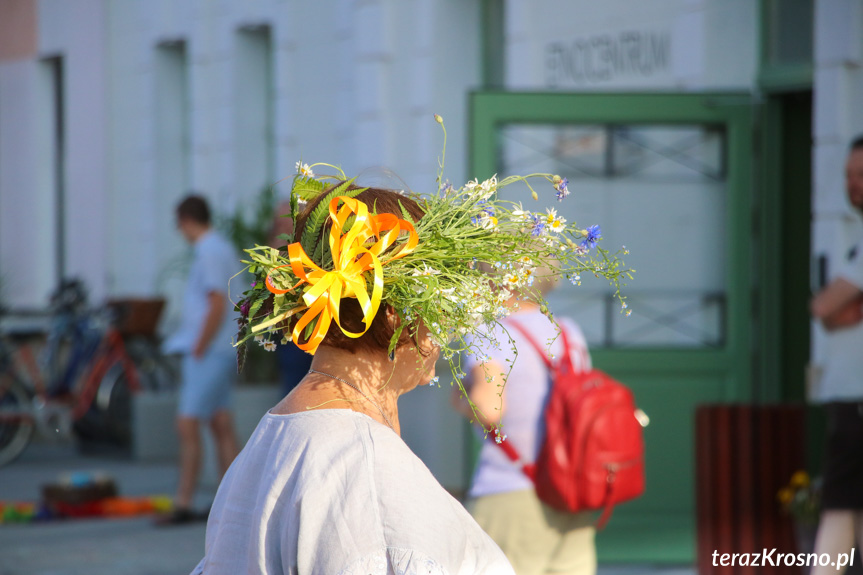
x: 538, y: 226
x: 486, y: 212
x: 562, y: 190
x: 594, y: 234
x: 486, y: 208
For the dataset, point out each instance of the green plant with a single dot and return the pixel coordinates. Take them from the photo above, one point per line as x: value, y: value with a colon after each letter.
x: 801, y: 498
x: 250, y: 224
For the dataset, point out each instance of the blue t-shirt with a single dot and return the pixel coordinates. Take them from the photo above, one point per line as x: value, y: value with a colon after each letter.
x: 215, y: 262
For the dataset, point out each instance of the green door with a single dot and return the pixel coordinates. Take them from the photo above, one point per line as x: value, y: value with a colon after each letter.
x: 668, y: 177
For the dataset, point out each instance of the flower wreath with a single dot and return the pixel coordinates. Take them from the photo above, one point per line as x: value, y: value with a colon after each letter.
x: 435, y: 269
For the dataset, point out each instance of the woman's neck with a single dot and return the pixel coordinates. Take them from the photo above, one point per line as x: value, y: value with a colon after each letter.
x: 366, y: 382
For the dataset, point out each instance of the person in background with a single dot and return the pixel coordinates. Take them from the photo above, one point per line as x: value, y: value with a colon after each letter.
x: 838, y: 307
x: 536, y: 538
x: 209, y: 360
x: 294, y: 363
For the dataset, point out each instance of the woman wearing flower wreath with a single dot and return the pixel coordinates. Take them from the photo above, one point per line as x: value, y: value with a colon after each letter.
x: 372, y: 283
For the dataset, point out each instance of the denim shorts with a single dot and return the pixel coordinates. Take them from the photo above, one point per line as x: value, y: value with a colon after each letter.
x: 206, y: 383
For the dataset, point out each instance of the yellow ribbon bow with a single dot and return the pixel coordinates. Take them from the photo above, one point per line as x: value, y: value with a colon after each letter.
x: 351, y: 259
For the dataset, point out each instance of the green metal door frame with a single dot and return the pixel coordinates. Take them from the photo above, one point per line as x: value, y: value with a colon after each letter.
x: 667, y: 512
x: 490, y: 110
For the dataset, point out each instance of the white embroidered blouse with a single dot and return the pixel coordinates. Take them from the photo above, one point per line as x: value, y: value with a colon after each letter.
x: 331, y: 492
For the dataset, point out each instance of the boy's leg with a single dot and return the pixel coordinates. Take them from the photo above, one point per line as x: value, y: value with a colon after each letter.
x: 189, y: 432
x: 227, y: 448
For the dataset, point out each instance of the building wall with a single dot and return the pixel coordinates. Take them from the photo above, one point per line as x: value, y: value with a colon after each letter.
x: 348, y: 87
x: 633, y: 46
x: 28, y: 229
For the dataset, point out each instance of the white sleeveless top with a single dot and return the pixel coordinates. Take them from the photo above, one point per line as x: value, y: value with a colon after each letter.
x: 333, y: 491
x: 526, y: 392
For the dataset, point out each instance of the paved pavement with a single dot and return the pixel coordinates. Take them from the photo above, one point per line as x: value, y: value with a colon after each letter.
x: 119, y: 546
x: 98, y: 546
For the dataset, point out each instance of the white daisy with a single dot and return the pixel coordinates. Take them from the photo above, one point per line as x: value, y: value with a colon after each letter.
x: 488, y: 187
x: 557, y: 224
x: 551, y: 216
x: 512, y: 280
x: 502, y: 296
x: 304, y: 170
x: 449, y: 293
x: 425, y: 271
x: 519, y: 214
x: 488, y: 222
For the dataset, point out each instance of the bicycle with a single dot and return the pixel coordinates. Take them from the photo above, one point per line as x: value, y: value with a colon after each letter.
x: 92, y: 365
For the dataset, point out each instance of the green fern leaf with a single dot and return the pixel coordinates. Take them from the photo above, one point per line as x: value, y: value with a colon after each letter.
x: 316, y: 220
x: 307, y: 189
x: 405, y: 215
x: 323, y: 256
x: 256, y: 306
x: 241, y: 357
x: 295, y: 212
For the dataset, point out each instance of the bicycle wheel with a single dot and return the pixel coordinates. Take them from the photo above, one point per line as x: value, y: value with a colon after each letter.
x: 15, y: 430
x: 156, y: 373
x: 109, y: 419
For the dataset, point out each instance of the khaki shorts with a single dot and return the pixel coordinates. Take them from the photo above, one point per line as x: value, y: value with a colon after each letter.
x: 536, y: 538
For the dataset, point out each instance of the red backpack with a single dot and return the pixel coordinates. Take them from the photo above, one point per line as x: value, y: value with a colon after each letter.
x: 592, y: 456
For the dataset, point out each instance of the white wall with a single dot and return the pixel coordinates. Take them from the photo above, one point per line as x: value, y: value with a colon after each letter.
x: 349, y: 88
x: 27, y: 241
x: 624, y: 45
x: 28, y: 237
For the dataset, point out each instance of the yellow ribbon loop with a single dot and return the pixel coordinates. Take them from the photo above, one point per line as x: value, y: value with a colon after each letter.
x: 351, y: 259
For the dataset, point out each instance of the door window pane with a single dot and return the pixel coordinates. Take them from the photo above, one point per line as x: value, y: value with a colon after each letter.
x: 659, y: 190
x: 789, y: 31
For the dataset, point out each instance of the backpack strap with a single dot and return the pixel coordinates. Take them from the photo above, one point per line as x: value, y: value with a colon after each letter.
x: 540, y: 351
x: 607, y: 508
x: 529, y: 469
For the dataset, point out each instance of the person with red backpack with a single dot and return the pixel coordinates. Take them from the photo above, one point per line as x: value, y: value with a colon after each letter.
x: 535, y: 537
x: 564, y: 445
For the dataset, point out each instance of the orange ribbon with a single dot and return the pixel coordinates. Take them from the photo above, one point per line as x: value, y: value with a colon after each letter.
x: 351, y: 259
